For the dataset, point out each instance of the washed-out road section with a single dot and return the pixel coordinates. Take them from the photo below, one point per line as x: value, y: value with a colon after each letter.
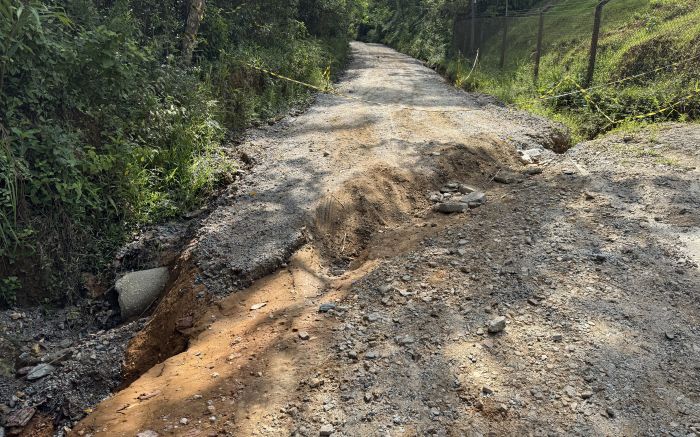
x: 567, y: 304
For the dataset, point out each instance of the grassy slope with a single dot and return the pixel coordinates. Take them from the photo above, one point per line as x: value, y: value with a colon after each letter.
x: 637, y: 36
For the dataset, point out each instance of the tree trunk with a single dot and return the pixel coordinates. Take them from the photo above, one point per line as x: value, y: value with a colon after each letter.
x: 189, y: 39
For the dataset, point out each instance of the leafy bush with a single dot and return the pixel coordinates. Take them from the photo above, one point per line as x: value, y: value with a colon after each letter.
x: 103, y: 130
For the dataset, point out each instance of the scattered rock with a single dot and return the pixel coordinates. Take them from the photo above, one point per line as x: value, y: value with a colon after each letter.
x: 372, y: 355
x: 475, y: 199
x: 450, y: 207
x: 19, y: 418
x: 506, y: 177
x: 530, y: 156
x: 404, y: 340
x: 139, y: 290
x: 147, y: 396
x: 533, y: 170
x: 450, y: 187
x: 184, y: 421
x: 40, y: 371
x: 497, y: 325
x: 435, y: 197
x: 316, y: 382
x: 303, y: 335
x: 373, y: 317
x: 257, y: 306
x: 466, y: 189
x: 326, y: 430
x: 147, y: 433
x: 325, y: 307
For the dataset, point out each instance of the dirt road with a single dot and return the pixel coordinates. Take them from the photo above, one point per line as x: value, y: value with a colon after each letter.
x: 385, y: 319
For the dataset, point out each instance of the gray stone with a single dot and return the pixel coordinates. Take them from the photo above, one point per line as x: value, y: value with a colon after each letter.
x: 2, y: 431
x: 404, y: 340
x: 497, y: 325
x: 373, y: 317
x: 304, y: 335
x: 531, y: 171
x: 435, y: 197
x: 39, y: 371
x: 147, y: 433
x: 475, y: 199
x: 449, y: 188
x: 325, y: 307
x: 506, y: 177
x: 531, y: 156
x: 449, y: 207
x: 466, y: 189
x: 138, y: 290
x: 326, y: 430
x: 372, y: 355
x: 386, y: 288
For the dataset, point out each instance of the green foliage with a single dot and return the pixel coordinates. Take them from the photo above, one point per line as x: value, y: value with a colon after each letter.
x: 8, y: 290
x: 102, y: 130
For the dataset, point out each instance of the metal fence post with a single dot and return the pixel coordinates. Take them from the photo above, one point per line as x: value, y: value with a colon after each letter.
x: 505, y: 38
x: 473, y: 30
x: 594, y: 43
x: 540, y: 33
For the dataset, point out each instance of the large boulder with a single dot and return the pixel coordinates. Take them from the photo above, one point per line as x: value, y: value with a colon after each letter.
x: 138, y: 290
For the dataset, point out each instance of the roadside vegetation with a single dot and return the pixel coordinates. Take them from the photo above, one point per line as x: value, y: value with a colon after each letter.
x: 106, y: 124
x: 659, y: 39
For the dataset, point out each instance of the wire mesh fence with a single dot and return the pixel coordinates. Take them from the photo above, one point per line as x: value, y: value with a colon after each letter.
x: 647, y: 52
x: 560, y: 35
